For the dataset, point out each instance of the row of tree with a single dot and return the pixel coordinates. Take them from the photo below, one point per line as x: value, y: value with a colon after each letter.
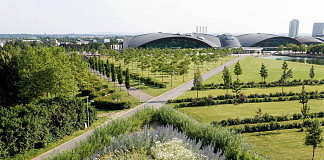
x: 309, y: 49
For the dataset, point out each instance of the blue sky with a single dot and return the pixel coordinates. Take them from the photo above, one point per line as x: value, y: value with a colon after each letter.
x: 135, y: 16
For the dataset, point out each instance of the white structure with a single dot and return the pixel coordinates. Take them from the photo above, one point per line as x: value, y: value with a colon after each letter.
x: 293, y: 28
x: 106, y: 40
x: 318, y: 29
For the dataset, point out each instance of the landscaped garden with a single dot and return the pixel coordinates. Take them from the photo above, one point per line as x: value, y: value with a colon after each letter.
x: 270, y: 102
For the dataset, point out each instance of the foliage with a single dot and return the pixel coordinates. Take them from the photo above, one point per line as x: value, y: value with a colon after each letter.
x: 218, y: 137
x: 148, y: 142
x: 227, y: 78
x: 265, y: 85
x: 34, y: 125
x: 127, y: 83
x: 314, y: 135
x: 237, y: 70
x: 197, y: 81
x: 265, y: 118
x: 264, y: 72
x: 312, y: 73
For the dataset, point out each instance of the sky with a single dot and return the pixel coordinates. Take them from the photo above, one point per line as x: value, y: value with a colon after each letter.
x: 142, y: 16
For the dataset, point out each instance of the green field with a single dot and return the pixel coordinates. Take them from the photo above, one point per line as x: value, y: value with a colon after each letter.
x: 251, y: 67
x: 222, y: 112
x: 283, y: 144
x: 279, y: 144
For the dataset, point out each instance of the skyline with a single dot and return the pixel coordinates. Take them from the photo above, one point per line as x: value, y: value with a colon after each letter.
x: 126, y: 16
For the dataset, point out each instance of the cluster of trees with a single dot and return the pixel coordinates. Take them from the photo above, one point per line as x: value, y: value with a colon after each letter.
x: 308, y: 49
x: 39, y: 89
x: 166, y: 62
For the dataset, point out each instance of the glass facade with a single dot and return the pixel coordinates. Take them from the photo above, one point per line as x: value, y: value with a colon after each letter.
x: 276, y: 42
x: 175, y: 43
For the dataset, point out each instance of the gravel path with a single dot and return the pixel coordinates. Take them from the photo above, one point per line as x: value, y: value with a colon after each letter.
x: 155, y: 102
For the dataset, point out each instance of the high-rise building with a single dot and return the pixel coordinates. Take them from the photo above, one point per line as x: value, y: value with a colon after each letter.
x: 293, y: 28
x: 318, y: 29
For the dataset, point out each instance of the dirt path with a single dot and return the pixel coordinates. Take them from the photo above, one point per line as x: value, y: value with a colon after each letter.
x: 155, y: 102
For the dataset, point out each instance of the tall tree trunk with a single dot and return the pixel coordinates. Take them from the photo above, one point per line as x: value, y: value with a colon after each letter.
x: 313, y: 152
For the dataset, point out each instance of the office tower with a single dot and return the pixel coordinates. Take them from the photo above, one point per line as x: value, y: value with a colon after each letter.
x: 318, y: 29
x: 293, y: 28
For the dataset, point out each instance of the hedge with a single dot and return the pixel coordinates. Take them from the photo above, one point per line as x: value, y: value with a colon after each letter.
x: 273, y: 126
x: 207, y: 101
x: 34, y: 125
x: 312, y: 95
x: 219, y: 137
x: 264, y: 85
x: 265, y: 118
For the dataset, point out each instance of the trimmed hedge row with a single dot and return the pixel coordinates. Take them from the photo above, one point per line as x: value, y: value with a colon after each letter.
x: 311, y: 95
x: 219, y: 137
x: 264, y: 85
x: 209, y: 101
x: 273, y: 126
x: 25, y: 127
x: 265, y: 118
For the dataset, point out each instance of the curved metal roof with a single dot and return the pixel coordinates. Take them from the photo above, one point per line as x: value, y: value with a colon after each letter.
x: 140, y: 40
x: 248, y: 40
x: 308, y: 40
x: 229, y: 41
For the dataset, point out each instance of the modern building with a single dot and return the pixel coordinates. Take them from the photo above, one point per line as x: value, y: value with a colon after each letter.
x: 318, y: 29
x: 293, y: 28
x: 199, y: 40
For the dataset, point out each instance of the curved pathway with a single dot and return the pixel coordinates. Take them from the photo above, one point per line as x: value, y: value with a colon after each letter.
x: 155, y: 102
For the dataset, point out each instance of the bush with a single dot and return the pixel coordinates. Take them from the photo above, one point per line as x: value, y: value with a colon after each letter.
x: 220, y: 138
x: 265, y: 85
x: 25, y: 127
x: 273, y: 126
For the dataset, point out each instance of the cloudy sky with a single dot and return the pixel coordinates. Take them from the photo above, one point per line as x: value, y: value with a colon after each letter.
x: 136, y: 16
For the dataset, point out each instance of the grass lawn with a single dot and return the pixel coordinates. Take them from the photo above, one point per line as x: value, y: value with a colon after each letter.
x: 247, y: 91
x: 251, y: 67
x: 283, y: 144
x: 177, y: 79
x: 221, y: 112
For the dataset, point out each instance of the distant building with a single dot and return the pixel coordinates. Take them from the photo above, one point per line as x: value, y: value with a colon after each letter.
x: 106, y: 40
x: 2, y: 43
x: 318, y: 29
x: 293, y: 28
x: 120, y: 40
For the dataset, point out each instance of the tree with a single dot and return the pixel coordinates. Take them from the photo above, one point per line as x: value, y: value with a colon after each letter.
x: 227, y: 78
x: 314, y: 136
x: 237, y: 70
x: 113, y: 73
x: 236, y: 89
x: 119, y: 76
x: 303, y: 99
x: 264, y: 73
x: 127, y: 83
x: 311, y: 73
x: 197, y: 82
x: 286, y: 74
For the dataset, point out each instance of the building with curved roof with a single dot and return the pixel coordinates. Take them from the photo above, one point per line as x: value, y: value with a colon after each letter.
x: 308, y: 40
x: 167, y: 40
x: 200, y: 40
x: 265, y: 40
x: 229, y: 41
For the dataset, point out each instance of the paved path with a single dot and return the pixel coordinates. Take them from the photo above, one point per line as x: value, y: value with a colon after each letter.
x: 155, y: 102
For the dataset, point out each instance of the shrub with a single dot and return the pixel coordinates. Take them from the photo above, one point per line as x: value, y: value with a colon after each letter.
x: 25, y: 127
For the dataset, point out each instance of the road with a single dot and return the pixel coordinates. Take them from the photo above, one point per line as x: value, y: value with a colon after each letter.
x: 155, y: 102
